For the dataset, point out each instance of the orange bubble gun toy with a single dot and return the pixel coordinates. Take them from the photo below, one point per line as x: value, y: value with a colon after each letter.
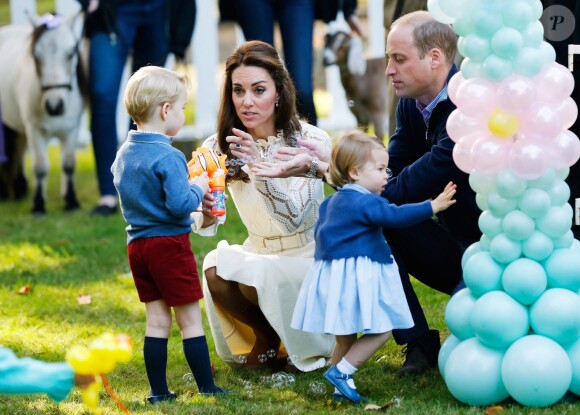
x: 100, y: 358
x: 206, y: 159
x: 214, y: 163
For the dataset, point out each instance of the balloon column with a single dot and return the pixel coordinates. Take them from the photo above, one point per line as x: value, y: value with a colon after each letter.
x: 515, y: 329
x: 99, y: 358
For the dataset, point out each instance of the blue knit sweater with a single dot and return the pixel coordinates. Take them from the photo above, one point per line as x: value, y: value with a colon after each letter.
x: 351, y: 220
x: 151, y: 178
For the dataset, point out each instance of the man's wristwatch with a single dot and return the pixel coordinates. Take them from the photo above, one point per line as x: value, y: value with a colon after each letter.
x: 313, y: 168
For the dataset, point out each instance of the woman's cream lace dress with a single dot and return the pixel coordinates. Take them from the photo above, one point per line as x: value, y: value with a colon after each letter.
x: 279, y: 215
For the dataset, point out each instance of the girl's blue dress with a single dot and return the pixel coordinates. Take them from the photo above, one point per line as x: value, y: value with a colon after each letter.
x: 351, y: 295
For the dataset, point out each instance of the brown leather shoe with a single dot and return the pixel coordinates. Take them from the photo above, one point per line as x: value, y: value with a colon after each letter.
x: 421, y: 354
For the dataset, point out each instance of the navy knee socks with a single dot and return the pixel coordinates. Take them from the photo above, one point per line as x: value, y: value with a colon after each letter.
x: 197, y: 356
x: 155, y: 356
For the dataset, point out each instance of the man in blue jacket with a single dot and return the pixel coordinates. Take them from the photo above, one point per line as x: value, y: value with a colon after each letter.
x: 421, y: 53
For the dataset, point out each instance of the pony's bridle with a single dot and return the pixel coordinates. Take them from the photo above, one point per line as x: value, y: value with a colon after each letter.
x: 45, y: 88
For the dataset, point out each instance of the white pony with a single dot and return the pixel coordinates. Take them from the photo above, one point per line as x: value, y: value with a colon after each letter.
x: 40, y: 99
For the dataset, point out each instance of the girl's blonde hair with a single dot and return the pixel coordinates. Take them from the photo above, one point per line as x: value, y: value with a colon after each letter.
x: 352, y: 150
x: 150, y: 87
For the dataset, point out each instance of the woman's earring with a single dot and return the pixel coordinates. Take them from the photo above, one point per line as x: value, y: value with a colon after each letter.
x: 277, y: 104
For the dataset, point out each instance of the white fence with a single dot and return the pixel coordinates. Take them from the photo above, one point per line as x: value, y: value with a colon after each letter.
x: 205, y: 59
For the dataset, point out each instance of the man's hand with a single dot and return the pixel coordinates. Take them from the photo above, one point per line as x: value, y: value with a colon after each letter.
x: 293, y: 165
x: 296, y: 161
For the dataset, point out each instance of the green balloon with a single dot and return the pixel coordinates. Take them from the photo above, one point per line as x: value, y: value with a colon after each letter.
x: 496, y: 68
x: 517, y: 14
x: 528, y: 62
x: 533, y: 34
x: 471, y: 69
x: 464, y: 25
x: 476, y: 47
x: 507, y: 42
x: 486, y: 21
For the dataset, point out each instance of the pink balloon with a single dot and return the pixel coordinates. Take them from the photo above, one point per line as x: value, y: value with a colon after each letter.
x: 529, y: 160
x: 554, y: 82
x: 568, y: 111
x: 542, y: 120
x: 462, y: 152
x: 454, y: 83
x: 489, y: 154
x: 516, y: 94
x: 460, y: 125
x: 566, y: 149
x: 476, y: 97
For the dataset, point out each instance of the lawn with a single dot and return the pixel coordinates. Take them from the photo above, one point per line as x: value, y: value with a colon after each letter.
x: 64, y: 256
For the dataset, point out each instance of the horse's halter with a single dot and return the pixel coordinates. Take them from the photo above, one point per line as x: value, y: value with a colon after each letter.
x: 45, y: 88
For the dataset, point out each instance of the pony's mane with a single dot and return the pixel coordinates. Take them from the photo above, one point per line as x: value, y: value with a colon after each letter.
x: 36, y: 34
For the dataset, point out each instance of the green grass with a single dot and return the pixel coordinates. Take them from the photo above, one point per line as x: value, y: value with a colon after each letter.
x: 62, y: 256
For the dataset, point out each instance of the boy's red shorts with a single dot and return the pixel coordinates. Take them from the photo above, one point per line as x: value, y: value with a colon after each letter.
x: 165, y: 267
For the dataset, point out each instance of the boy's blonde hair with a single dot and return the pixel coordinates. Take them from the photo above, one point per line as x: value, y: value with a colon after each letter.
x: 150, y: 87
x: 352, y: 150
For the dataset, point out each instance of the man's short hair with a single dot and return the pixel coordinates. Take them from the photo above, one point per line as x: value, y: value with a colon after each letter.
x: 428, y: 33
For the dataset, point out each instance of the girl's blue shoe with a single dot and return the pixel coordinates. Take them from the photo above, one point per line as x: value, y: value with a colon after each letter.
x: 338, y: 380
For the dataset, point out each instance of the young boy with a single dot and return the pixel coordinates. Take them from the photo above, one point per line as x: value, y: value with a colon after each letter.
x: 156, y: 200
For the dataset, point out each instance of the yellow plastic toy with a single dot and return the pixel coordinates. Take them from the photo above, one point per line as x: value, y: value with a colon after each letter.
x: 99, y: 358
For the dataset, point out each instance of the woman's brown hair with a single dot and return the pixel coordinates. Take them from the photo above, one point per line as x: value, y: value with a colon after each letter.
x: 262, y: 55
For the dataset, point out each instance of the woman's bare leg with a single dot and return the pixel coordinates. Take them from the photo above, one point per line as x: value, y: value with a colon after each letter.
x: 240, y: 302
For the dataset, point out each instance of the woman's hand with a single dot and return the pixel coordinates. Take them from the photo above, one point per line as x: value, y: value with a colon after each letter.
x: 242, y: 146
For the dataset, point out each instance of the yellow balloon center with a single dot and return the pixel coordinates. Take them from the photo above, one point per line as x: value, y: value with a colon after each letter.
x: 503, y: 124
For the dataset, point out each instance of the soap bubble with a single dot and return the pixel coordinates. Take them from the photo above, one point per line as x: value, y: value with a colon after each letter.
x: 188, y: 378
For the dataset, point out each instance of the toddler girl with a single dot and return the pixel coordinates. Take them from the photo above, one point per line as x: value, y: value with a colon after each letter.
x: 353, y: 285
